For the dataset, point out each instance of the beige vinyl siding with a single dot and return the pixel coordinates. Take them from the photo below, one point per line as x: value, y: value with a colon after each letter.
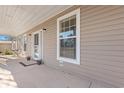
x: 101, y: 40
x: 102, y: 44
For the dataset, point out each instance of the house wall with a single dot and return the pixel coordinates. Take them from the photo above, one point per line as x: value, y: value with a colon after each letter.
x: 4, y: 46
x: 102, y: 44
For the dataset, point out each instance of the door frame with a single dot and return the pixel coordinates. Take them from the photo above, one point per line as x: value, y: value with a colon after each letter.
x: 40, y: 32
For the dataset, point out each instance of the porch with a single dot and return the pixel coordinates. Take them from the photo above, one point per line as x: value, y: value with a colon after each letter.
x: 13, y: 74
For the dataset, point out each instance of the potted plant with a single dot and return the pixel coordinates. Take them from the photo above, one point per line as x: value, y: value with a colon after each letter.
x: 39, y: 62
x: 28, y: 58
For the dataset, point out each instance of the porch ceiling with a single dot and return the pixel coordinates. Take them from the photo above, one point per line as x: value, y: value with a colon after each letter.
x: 17, y: 19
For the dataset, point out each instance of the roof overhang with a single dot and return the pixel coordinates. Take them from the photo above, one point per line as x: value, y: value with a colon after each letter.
x: 17, y: 19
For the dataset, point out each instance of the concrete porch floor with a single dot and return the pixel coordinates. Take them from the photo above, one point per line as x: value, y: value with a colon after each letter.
x: 13, y: 74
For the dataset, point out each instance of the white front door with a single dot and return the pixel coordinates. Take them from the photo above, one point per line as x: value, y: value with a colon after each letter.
x: 37, y: 46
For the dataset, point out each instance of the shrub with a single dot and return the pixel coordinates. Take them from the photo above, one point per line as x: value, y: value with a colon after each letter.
x: 8, y: 52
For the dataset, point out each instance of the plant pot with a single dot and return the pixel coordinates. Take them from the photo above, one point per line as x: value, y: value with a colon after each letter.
x: 39, y: 62
x: 28, y: 58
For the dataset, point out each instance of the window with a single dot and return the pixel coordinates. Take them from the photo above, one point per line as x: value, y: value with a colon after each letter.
x: 25, y: 42
x: 36, y: 39
x: 36, y: 43
x: 68, y: 37
x: 14, y: 44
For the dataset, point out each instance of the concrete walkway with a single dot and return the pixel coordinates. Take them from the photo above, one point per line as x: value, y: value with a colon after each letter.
x: 13, y: 74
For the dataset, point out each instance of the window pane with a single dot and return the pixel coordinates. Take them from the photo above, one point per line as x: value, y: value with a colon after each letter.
x: 67, y: 23
x: 68, y: 48
x: 69, y: 28
x: 25, y: 43
x: 73, y: 30
x: 25, y: 46
x: 62, y: 25
x: 68, y: 32
x: 73, y: 21
x: 36, y: 39
x: 36, y: 54
x: 61, y: 33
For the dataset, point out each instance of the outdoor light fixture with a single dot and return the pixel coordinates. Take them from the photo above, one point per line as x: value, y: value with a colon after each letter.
x: 44, y: 29
x: 29, y: 34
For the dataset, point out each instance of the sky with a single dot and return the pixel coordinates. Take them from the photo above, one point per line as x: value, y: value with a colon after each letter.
x: 4, y: 38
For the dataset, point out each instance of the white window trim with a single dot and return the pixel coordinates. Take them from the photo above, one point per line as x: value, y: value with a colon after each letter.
x: 69, y: 60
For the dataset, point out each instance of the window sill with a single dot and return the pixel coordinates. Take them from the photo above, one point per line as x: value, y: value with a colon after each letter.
x: 68, y: 60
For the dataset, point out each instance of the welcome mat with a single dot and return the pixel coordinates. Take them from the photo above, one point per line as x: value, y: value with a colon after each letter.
x: 25, y: 65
